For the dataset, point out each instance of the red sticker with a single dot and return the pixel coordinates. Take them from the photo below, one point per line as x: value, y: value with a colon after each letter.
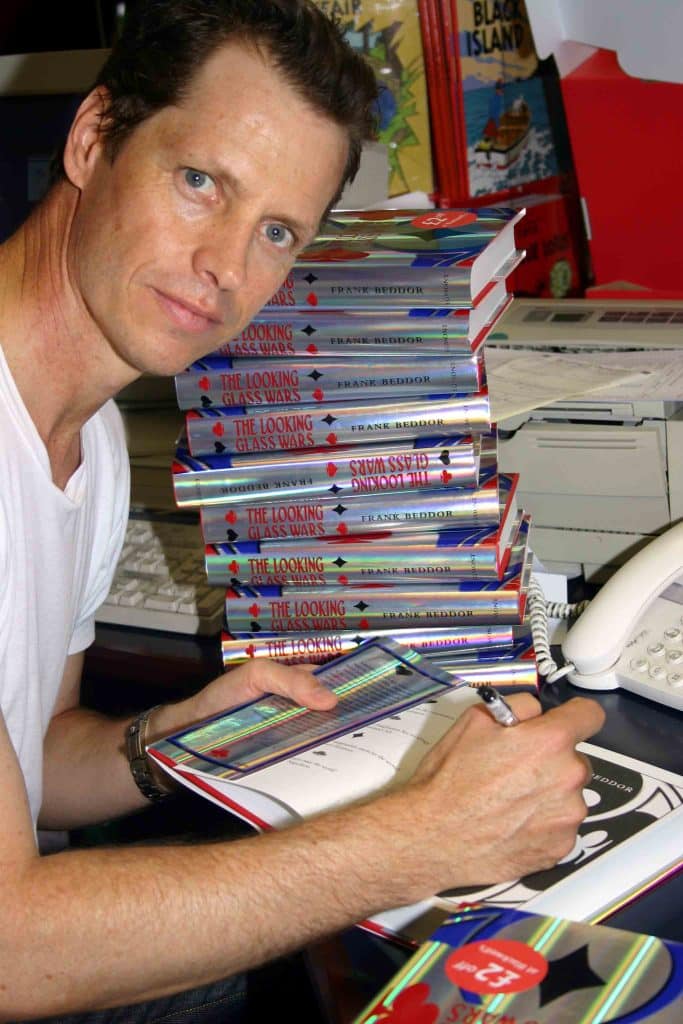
x: 444, y: 219
x: 496, y: 965
x: 231, y: 517
x: 331, y: 469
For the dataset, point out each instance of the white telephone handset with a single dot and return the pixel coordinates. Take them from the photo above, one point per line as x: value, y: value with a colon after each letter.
x: 631, y: 634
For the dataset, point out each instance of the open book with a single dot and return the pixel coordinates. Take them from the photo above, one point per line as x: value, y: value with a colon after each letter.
x: 394, y: 705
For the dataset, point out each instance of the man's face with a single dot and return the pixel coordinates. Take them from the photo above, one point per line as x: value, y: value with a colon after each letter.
x: 178, y: 243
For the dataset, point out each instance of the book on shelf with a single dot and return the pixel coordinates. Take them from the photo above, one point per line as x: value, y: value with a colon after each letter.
x: 494, y: 125
x: 273, y: 764
x: 388, y: 36
x: 442, y: 555
x: 279, y: 334
x: 319, y: 646
x: 484, y: 965
x: 225, y: 380
x: 430, y: 462
x: 287, y: 608
x: 410, y: 511
x: 252, y: 428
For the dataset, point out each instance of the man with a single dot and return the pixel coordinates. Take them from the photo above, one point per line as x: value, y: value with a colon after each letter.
x: 220, y: 133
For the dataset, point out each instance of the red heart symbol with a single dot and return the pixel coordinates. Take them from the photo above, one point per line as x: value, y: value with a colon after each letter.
x: 231, y: 517
x: 250, y: 651
x: 220, y: 751
x: 312, y: 348
x: 233, y: 567
x: 364, y: 624
x: 204, y: 383
x: 331, y: 438
x: 343, y: 579
x: 342, y: 528
x: 331, y: 469
x: 218, y: 429
x: 318, y: 394
x: 446, y: 476
x: 312, y: 299
x: 254, y: 611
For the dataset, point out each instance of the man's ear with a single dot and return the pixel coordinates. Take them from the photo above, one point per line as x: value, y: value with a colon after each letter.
x: 85, y: 140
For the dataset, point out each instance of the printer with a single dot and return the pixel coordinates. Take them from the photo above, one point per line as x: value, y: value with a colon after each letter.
x: 600, y: 476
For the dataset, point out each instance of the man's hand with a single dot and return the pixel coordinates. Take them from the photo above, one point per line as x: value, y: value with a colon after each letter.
x: 245, y: 683
x: 495, y: 803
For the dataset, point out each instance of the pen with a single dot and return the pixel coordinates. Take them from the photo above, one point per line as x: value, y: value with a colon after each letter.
x: 497, y: 706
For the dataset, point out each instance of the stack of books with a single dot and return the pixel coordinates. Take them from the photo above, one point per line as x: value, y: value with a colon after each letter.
x: 342, y: 457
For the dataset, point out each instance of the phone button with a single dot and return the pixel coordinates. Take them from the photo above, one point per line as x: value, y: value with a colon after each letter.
x: 656, y: 649
x: 675, y: 679
x: 639, y: 664
x: 674, y: 656
x: 672, y: 634
x: 657, y: 672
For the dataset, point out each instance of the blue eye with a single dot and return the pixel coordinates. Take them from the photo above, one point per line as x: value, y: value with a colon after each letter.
x: 197, y: 180
x: 279, y: 235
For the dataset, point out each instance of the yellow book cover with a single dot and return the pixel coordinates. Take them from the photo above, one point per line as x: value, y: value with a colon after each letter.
x: 387, y: 33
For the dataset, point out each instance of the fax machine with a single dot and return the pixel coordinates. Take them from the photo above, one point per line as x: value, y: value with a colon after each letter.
x: 600, y: 477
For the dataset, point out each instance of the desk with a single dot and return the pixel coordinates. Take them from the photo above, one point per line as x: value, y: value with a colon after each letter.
x: 129, y: 669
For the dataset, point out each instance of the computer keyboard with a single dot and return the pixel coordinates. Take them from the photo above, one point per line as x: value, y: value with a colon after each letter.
x: 160, y: 580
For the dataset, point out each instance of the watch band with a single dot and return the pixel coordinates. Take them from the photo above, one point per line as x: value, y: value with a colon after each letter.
x: 136, y: 736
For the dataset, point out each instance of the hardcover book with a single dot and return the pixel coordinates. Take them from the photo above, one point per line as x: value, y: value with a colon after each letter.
x: 321, y: 646
x: 273, y: 763
x: 387, y: 34
x: 476, y: 245
x: 224, y: 380
x: 485, y: 965
x: 456, y: 281
x: 445, y: 555
x: 409, y: 512
x: 354, y: 470
x: 312, y: 332
x: 239, y: 429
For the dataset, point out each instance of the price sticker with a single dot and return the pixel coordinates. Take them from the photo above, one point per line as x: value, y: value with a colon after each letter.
x: 444, y: 219
x: 496, y: 965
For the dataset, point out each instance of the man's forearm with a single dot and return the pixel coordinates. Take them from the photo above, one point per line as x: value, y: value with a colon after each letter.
x: 87, y: 777
x: 159, y: 919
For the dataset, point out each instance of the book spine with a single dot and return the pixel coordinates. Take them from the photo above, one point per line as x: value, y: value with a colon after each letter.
x: 318, y: 647
x: 363, y: 608
x: 303, y: 517
x: 249, y: 429
x: 310, y: 333
x: 338, y: 475
x: 228, y: 381
x: 370, y: 290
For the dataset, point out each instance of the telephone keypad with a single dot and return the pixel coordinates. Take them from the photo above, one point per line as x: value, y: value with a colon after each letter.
x: 652, y: 663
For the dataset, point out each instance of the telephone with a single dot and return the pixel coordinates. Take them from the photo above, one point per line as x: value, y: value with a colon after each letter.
x: 631, y: 634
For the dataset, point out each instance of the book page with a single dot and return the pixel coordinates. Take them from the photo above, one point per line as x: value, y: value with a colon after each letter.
x: 337, y: 773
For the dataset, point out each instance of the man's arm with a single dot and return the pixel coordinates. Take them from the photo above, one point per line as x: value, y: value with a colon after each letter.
x: 85, y: 929
x: 86, y: 776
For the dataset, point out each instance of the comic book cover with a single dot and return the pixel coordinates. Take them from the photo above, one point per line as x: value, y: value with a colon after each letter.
x: 387, y: 33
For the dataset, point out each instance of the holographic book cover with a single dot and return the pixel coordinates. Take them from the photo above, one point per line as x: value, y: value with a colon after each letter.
x: 407, y: 512
x: 431, y: 463
x: 489, y: 966
x: 224, y: 380
x: 240, y: 429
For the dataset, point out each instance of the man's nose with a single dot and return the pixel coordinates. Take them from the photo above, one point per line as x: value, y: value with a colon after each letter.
x: 222, y: 255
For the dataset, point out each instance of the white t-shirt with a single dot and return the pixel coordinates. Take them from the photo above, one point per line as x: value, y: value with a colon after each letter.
x: 58, y: 552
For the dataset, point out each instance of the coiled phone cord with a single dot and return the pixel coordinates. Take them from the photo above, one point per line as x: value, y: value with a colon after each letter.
x: 539, y: 611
